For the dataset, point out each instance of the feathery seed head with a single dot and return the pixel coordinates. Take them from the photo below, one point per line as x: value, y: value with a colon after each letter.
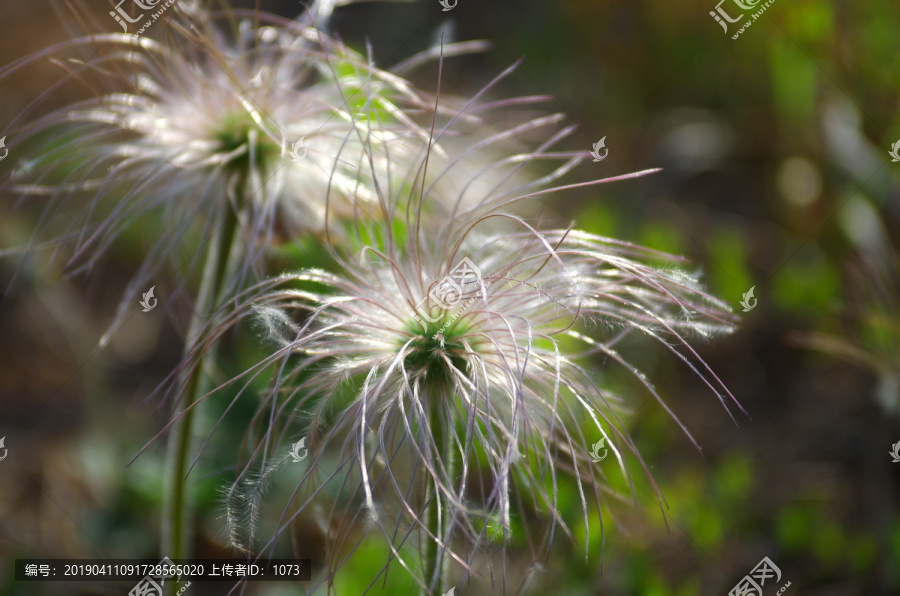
x: 235, y: 111
x: 478, y: 384
x: 446, y: 375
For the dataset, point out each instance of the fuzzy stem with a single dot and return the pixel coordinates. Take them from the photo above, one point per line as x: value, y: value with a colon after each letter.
x: 438, y: 518
x: 176, y: 508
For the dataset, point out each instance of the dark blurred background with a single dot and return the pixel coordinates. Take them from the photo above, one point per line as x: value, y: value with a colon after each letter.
x: 776, y: 175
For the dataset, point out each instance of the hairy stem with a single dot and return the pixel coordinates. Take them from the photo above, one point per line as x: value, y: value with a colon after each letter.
x: 438, y: 514
x: 176, y: 509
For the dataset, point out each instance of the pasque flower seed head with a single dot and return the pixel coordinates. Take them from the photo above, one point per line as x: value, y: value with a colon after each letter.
x: 207, y: 113
x: 453, y: 371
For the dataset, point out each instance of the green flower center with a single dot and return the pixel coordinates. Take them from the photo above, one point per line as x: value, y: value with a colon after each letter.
x: 435, y: 350
x: 235, y: 133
